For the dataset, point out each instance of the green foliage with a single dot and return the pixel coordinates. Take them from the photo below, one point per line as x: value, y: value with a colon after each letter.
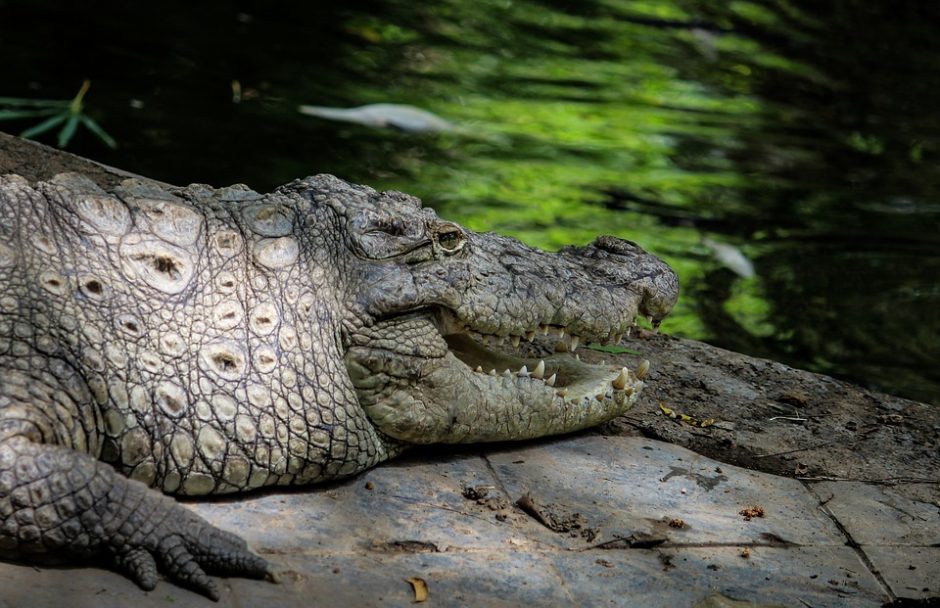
x: 68, y: 113
x: 613, y: 349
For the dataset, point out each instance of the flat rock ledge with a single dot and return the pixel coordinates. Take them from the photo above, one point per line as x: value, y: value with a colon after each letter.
x: 588, y: 520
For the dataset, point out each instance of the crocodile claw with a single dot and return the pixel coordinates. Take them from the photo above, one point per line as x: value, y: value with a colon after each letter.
x: 186, y: 547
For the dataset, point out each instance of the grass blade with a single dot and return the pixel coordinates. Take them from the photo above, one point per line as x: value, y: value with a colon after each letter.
x: 44, y: 125
x: 95, y: 128
x: 13, y: 114
x: 42, y: 103
x: 65, y: 135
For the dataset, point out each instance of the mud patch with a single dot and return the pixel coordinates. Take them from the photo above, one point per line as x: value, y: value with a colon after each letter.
x: 557, y: 519
x: 482, y: 496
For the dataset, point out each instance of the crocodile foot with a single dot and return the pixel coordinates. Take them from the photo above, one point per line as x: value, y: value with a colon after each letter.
x: 54, y: 499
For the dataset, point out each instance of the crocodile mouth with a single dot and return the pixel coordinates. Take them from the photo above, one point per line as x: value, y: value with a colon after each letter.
x: 520, y: 358
x: 425, y: 377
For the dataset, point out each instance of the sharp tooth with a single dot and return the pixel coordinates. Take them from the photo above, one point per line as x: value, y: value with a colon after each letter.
x: 530, y: 335
x: 539, y: 371
x: 515, y: 340
x: 562, y: 391
x: 618, y: 338
x: 500, y: 340
x: 643, y: 369
x: 507, y: 374
x: 492, y: 372
x: 599, y: 397
x: 524, y: 371
x: 573, y: 345
x: 551, y: 380
x: 544, y: 329
x: 620, y: 382
x: 479, y: 369
x: 561, y: 332
x: 577, y: 356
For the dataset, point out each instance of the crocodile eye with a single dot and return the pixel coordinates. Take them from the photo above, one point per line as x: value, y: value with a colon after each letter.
x: 450, y: 240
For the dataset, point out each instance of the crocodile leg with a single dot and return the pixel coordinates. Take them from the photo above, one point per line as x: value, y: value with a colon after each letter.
x: 54, y: 499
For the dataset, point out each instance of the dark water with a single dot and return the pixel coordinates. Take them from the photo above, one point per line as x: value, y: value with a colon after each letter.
x: 805, y: 136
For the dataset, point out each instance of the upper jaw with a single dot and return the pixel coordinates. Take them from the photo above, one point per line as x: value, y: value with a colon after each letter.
x: 564, y: 338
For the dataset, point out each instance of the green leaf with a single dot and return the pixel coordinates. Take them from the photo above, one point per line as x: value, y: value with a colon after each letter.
x: 21, y: 101
x: 95, y: 128
x: 12, y: 114
x: 613, y: 349
x: 44, y: 125
x: 65, y: 135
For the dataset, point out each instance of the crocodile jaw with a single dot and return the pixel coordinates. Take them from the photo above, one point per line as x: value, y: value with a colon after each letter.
x: 420, y: 384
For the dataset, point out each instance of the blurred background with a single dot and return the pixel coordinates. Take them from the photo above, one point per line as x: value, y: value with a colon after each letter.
x: 782, y: 155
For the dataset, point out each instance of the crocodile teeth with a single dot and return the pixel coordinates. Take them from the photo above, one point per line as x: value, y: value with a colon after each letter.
x: 577, y: 357
x: 479, y: 369
x: 493, y: 372
x: 618, y: 338
x: 599, y: 397
x: 507, y: 374
x: 544, y: 329
x: 515, y: 340
x: 523, y: 372
x: 539, y: 371
x: 620, y: 382
x: 530, y: 335
x: 551, y: 381
x: 573, y: 345
x: 643, y: 369
x: 562, y: 392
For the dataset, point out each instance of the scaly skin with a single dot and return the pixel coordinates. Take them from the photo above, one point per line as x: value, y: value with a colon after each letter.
x: 201, y: 341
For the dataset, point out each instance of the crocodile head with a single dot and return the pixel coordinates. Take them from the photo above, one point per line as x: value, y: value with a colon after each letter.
x: 444, y: 327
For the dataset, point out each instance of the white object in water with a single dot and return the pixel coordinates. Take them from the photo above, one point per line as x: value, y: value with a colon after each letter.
x: 398, y: 116
x: 730, y: 257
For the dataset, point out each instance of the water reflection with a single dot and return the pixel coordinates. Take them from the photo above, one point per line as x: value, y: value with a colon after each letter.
x: 803, y: 135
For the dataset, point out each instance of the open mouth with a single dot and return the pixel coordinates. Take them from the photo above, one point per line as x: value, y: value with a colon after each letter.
x: 426, y: 377
x: 539, y: 358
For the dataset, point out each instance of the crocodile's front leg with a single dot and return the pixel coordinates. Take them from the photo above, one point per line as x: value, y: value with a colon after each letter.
x: 55, y: 499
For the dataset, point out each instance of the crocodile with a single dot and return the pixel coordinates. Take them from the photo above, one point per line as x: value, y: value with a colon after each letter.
x: 159, y: 341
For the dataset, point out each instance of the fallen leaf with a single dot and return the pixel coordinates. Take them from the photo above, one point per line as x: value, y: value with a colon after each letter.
x: 690, y: 420
x: 420, y: 587
x: 751, y: 512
